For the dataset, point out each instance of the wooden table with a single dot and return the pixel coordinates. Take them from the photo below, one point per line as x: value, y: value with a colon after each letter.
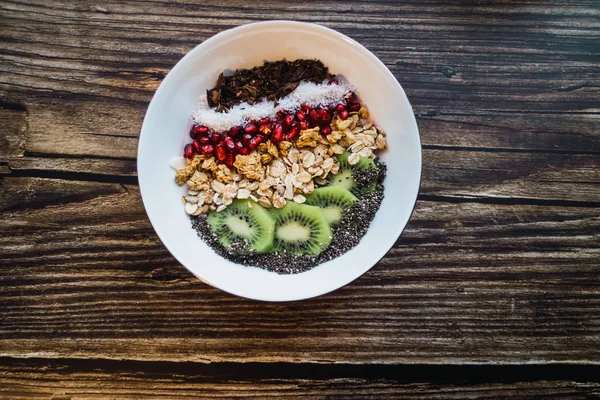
x: 491, y: 291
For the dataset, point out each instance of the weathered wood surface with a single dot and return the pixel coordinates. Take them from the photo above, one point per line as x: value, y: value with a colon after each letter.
x: 26, y: 379
x: 500, y: 263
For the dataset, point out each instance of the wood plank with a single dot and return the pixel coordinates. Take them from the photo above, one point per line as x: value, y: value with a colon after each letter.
x: 27, y: 379
x: 468, y: 282
x: 475, y: 64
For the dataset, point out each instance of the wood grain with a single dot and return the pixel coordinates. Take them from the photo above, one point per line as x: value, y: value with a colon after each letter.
x: 466, y: 282
x: 500, y: 263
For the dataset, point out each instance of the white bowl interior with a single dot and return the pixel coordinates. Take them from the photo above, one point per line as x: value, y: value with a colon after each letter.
x: 165, y: 131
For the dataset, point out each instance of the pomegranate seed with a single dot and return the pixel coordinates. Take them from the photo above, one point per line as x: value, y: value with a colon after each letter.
x: 252, y: 122
x: 188, y: 151
x: 289, y: 119
x: 208, y: 149
x: 230, y: 160
x: 354, y: 106
x: 229, y: 143
x: 200, y: 130
x: 304, y: 125
x: 254, y: 142
x: 193, y: 134
x: 196, y: 146
x: 246, y: 138
x: 301, y: 115
x: 344, y: 114
x: 221, y: 153
x: 280, y: 113
x: 205, y: 140
x: 265, y: 129
x: 216, y: 137
x: 265, y: 121
x: 314, y: 115
x: 326, y: 130
x: 305, y: 107
x: 293, y: 133
x: 251, y: 129
x: 340, y: 107
x: 239, y: 146
x: 244, y: 151
x: 235, y: 131
x: 324, y: 115
x: 278, y: 133
x: 262, y: 138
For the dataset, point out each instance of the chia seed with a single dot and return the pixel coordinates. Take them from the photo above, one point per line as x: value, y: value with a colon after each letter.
x: 346, y: 234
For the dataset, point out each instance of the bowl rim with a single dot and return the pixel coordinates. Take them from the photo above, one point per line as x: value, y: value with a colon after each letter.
x: 225, y: 34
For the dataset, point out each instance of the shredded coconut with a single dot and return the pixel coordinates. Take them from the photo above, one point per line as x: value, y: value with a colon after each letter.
x: 309, y: 93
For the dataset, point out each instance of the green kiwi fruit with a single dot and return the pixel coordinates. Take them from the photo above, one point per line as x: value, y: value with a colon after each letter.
x: 332, y: 200
x: 245, y: 225
x: 345, y: 177
x: 300, y: 229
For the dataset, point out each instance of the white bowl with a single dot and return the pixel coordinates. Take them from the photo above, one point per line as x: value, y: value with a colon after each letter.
x: 165, y: 131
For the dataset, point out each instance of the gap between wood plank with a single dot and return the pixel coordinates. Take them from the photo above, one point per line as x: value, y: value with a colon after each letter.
x: 463, y: 374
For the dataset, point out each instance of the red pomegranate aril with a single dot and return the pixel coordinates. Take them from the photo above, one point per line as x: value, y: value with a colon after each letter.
x: 239, y: 145
x: 262, y: 138
x: 204, y: 140
x: 305, y: 107
x: 216, y: 137
x: 280, y: 113
x: 278, y: 134
x: 246, y: 138
x: 193, y: 133
x: 314, y: 115
x: 340, y: 107
x: 289, y: 119
x: 229, y: 143
x: 208, y: 149
x: 235, y: 131
x: 326, y: 130
x: 251, y: 129
x: 293, y: 132
x: 324, y: 115
x: 264, y: 121
x: 354, y: 106
x: 200, y: 129
x: 221, y: 153
x: 301, y: 115
x: 254, y: 142
x: 343, y: 114
x: 230, y: 160
x: 252, y: 122
x: 244, y: 151
x: 188, y: 151
x: 196, y: 146
x: 265, y: 129
x: 304, y: 125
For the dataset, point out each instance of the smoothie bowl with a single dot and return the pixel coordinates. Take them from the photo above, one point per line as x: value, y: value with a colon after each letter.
x: 279, y: 160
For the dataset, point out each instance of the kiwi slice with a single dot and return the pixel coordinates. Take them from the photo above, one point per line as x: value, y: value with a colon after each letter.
x: 332, y: 200
x: 300, y: 229
x: 244, y: 228
x: 345, y: 177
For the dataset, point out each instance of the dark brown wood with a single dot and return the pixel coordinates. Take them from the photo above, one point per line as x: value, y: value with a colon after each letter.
x: 500, y: 263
